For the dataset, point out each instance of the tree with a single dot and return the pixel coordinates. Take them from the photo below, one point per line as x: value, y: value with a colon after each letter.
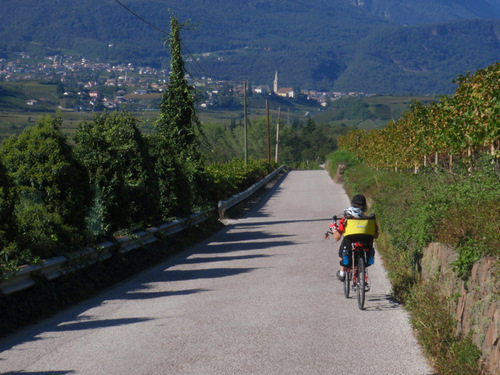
x: 52, y: 188
x: 175, y: 146
x: 60, y: 89
x: 178, y: 121
x: 115, y: 153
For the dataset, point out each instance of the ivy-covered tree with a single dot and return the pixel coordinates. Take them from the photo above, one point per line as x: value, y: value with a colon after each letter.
x: 52, y: 189
x: 176, y: 130
x: 178, y: 121
x: 115, y: 153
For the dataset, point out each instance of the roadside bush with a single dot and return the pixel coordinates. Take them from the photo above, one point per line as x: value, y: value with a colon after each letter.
x: 8, y: 229
x: 341, y: 156
x: 174, y: 179
x: 116, y: 156
x: 227, y: 179
x: 7, y: 222
x: 52, y: 190
x: 471, y: 224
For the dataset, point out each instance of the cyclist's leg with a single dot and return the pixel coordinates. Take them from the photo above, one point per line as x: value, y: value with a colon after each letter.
x: 370, y: 257
x: 341, y: 273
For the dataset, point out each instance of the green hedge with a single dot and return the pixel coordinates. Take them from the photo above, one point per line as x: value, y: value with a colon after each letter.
x: 115, y: 154
x: 227, y: 179
x: 56, y: 197
x: 51, y: 189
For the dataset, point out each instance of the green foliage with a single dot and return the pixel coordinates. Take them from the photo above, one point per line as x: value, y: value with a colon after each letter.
x: 178, y: 120
x: 435, y: 326
x: 175, y: 145
x: 173, y: 190
x: 116, y: 156
x: 341, y: 157
x: 52, y: 189
x: 468, y: 254
x: 457, y: 130
x: 8, y: 225
x: 227, y: 179
x: 7, y: 196
x: 303, y: 144
x: 471, y: 223
x: 352, y: 108
x: 455, y: 209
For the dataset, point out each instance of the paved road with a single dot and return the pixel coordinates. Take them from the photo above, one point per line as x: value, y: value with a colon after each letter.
x: 259, y: 297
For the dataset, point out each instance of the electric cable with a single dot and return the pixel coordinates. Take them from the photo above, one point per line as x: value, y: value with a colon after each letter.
x: 141, y: 18
x: 164, y: 32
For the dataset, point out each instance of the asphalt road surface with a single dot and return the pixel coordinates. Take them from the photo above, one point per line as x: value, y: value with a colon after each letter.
x: 259, y: 297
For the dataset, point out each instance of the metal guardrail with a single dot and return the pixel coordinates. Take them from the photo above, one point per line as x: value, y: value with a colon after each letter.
x: 57, y: 266
x: 224, y: 205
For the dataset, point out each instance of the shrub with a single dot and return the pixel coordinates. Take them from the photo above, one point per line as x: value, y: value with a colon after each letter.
x: 52, y: 189
x: 334, y: 159
x: 115, y: 153
x: 227, y: 179
x: 7, y: 221
x: 8, y: 229
x: 175, y: 179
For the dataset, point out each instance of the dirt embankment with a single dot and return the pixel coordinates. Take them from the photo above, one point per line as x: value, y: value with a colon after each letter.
x: 475, y: 302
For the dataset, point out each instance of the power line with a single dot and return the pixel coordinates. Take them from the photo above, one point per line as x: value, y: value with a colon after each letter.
x: 141, y: 18
x: 162, y: 31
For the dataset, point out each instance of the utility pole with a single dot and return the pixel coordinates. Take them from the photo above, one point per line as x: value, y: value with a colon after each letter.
x: 245, y: 120
x: 278, y: 136
x: 268, y: 133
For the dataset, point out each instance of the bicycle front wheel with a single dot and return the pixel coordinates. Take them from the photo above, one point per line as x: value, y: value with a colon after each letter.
x: 361, y: 283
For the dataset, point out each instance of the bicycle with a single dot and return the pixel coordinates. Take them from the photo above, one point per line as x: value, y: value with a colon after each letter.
x: 356, y: 275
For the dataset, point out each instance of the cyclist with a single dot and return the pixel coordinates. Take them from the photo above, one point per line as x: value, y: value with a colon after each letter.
x: 355, y: 211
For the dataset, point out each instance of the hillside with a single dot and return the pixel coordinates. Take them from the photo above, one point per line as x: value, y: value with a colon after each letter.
x: 418, y: 12
x: 325, y: 45
x: 419, y: 58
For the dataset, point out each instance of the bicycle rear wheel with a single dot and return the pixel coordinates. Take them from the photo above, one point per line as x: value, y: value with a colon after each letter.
x: 347, y: 282
x: 361, y: 283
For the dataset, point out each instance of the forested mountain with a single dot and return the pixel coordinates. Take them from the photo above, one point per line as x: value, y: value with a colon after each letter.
x: 418, y: 12
x: 357, y: 45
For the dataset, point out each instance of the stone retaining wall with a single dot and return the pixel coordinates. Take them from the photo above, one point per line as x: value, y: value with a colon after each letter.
x: 475, y: 302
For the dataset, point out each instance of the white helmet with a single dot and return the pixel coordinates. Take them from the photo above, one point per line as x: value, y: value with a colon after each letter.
x: 353, y: 212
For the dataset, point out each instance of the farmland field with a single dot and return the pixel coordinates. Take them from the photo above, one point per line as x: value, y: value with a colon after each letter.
x: 16, y: 113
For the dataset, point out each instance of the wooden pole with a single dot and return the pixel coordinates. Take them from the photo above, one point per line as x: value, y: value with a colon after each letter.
x: 278, y: 136
x: 268, y: 133
x: 245, y: 121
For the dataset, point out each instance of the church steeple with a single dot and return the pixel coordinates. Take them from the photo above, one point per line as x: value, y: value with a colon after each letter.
x: 275, y: 87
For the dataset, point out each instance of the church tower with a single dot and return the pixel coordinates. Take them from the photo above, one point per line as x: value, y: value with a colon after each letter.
x: 275, y: 87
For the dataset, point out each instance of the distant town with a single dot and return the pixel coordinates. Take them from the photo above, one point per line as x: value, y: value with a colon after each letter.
x: 94, y: 85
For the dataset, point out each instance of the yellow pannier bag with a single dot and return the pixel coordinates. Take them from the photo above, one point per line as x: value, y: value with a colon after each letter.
x: 355, y: 227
